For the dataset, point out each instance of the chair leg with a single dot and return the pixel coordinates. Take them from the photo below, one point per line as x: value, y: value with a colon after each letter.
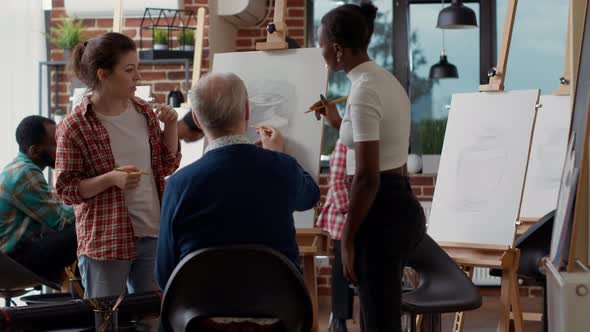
x: 330, y: 322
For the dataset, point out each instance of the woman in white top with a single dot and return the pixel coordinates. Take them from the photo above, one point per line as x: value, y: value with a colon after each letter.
x: 385, y: 220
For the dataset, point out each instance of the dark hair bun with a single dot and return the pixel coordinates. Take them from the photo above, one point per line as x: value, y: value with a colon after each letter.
x: 369, y: 11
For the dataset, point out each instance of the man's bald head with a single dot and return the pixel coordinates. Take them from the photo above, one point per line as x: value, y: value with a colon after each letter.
x: 219, y: 101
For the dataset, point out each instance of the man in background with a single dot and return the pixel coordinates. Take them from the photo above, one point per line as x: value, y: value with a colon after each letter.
x: 36, y: 229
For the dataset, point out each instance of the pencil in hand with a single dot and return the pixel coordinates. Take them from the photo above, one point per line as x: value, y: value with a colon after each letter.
x: 131, y: 171
x: 335, y: 101
x: 259, y: 128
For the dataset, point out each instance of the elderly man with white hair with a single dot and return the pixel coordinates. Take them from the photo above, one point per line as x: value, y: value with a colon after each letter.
x: 237, y: 193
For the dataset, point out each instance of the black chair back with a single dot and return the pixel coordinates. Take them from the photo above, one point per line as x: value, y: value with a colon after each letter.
x: 443, y: 286
x: 236, y: 281
x: 14, y: 277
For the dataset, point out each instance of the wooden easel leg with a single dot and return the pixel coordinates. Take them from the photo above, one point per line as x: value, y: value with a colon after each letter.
x: 504, y: 320
x: 459, y: 323
x: 515, y: 301
x: 309, y: 275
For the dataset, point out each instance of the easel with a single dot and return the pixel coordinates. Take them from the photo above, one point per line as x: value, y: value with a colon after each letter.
x: 506, y: 258
x: 579, y: 241
x: 523, y: 223
x: 312, y: 241
x: 118, y: 22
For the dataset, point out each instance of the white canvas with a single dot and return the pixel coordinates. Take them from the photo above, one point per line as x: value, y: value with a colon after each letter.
x: 482, y: 167
x: 190, y: 151
x: 548, y: 151
x: 281, y: 87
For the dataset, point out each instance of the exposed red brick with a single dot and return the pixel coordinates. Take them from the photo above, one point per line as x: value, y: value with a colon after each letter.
x: 133, y: 22
x: 58, y: 13
x: 176, y: 75
x: 57, y: 4
x: 89, y: 23
x: 295, y: 32
x: 422, y: 180
x: 249, y: 33
x: 325, y: 270
x: 428, y: 191
x: 324, y: 291
x: 104, y: 23
x: 165, y: 87
x: 244, y: 43
x: 153, y: 76
x: 417, y: 191
x: 295, y: 13
x: 295, y: 3
x: 295, y: 22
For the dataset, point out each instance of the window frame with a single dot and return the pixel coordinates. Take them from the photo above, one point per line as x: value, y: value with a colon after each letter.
x: 400, y: 44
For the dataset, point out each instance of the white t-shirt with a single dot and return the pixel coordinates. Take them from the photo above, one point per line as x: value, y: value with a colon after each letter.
x: 129, y: 136
x: 377, y: 109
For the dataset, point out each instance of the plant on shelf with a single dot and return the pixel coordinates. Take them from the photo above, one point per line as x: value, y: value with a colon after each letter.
x: 431, y: 135
x: 186, y: 38
x: 160, y: 39
x: 67, y: 34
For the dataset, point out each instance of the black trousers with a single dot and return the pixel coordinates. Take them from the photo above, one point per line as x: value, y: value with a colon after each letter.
x: 49, y: 256
x: 342, y: 294
x: 394, y: 226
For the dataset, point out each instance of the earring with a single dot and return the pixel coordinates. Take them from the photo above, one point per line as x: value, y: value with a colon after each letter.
x: 339, y: 56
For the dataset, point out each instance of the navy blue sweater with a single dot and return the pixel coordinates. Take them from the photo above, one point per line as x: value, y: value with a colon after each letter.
x: 237, y: 194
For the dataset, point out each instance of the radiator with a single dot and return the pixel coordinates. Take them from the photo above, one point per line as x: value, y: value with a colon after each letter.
x: 481, y: 276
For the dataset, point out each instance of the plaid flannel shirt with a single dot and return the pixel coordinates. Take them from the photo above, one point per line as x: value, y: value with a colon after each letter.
x: 103, y: 225
x: 29, y: 208
x: 333, y: 215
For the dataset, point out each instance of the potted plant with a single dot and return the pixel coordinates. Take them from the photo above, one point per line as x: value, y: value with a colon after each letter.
x: 160, y: 39
x: 67, y: 34
x: 432, y: 135
x: 186, y: 38
x: 59, y: 114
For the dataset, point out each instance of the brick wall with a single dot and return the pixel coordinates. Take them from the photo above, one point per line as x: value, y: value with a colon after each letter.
x: 164, y: 78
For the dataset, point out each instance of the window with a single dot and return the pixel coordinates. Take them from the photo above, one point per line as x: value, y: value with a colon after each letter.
x: 431, y: 99
x: 537, y: 51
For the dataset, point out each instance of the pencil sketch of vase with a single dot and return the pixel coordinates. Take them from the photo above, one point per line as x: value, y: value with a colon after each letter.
x: 270, y: 104
x: 551, y: 156
x: 480, y: 167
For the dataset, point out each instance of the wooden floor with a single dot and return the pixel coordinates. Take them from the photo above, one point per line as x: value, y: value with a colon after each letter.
x: 483, y: 319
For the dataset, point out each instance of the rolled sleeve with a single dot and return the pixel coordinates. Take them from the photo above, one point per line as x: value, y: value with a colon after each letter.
x: 69, y: 166
x: 170, y: 161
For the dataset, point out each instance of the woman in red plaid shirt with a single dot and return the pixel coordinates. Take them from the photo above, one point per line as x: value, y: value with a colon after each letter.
x: 112, y: 158
x: 332, y: 219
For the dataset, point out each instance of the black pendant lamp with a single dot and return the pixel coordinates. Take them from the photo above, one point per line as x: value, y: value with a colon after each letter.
x: 443, y: 69
x: 456, y: 16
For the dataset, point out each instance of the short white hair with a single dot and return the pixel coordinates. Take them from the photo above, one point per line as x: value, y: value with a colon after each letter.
x: 219, y: 101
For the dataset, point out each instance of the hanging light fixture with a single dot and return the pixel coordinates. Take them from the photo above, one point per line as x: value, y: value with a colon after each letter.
x: 456, y: 16
x: 443, y: 69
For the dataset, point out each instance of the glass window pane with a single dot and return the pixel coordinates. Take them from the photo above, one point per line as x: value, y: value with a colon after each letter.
x: 380, y: 50
x: 537, y: 50
x: 431, y: 98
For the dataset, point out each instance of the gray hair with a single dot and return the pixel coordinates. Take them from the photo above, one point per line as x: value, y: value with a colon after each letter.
x: 219, y: 100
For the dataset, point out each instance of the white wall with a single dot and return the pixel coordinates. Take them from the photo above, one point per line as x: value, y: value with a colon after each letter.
x: 24, y: 46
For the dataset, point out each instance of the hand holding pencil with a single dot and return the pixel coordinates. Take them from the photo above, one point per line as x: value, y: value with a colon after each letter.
x: 327, y: 109
x: 271, y: 138
x: 126, y: 177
